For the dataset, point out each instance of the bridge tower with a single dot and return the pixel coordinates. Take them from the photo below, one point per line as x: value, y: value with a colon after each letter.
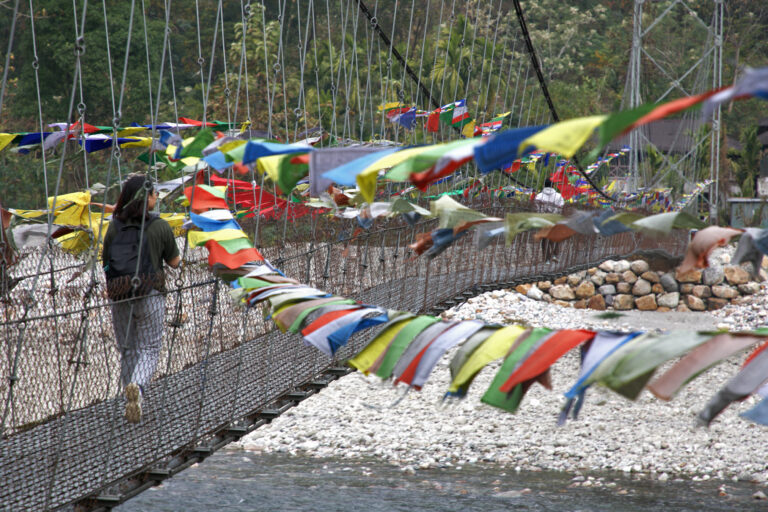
x: 685, y: 148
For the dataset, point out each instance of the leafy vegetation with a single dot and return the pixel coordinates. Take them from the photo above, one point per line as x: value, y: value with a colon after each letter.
x: 304, y: 67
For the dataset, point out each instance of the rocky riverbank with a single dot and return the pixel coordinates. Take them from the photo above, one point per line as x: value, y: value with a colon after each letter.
x: 624, y: 285
x: 356, y: 417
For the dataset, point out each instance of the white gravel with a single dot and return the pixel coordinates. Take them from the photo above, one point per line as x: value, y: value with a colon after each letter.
x: 355, y: 417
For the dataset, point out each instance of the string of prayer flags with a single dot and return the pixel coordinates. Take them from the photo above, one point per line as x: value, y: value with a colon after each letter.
x: 501, y: 150
x: 600, y: 349
x: 743, y: 384
x: 701, y: 358
x: 494, y: 124
x: 703, y: 243
x: 492, y: 348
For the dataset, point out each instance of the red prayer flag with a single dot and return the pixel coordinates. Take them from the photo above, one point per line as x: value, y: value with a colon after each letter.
x: 217, y: 254
x: 669, y: 108
x: 187, y: 120
x: 204, y: 199
x: 433, y: 121
x: 546, y: 355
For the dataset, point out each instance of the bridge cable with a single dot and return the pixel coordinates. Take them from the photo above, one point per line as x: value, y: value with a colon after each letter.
x: 545, y: 91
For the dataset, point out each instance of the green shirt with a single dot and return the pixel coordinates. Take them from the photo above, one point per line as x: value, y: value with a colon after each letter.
x: 162, y: 243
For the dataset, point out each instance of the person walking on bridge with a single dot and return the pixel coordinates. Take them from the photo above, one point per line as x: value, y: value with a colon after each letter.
x: 549, y: 200
x: 136, y: 245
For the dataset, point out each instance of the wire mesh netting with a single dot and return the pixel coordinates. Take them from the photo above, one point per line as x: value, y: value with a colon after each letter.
x: 65, y: 436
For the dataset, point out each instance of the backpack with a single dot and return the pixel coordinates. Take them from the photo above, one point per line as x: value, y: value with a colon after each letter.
x: 124, y: 258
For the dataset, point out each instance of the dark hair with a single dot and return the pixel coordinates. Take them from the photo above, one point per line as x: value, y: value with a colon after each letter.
x: 547, y: 182
x: 132, y: 200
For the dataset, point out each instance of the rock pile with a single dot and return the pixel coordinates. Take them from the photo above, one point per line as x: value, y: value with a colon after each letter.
x: 623, y: 285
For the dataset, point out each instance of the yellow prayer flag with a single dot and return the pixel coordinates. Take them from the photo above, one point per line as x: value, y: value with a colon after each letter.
x: 130, y: 130
x: 365, y: 359
x: 5, y: 139
x: 566, y: 137
x: 190, y: 160
x: 495, y: 347
x: 229, y: 146
x: 197, y: 238
x: 270, y: 165
x: 366, y: 182
x: 469, y: 129
x: 137, y: 142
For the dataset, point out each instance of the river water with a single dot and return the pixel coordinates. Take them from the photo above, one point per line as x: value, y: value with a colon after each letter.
x: 242, y: 481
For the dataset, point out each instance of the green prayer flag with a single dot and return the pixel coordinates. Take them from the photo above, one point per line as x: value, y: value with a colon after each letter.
x: 615, y: 125
x: 235, y: 245
x: 401, y: 342
x: 519, y: 222
x: 288, y: 174
x: 195, y: 148
x: 496, y: 398
x: 632, y: 372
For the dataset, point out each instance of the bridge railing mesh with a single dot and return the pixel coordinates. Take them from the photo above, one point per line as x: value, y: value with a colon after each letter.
x: 64, y: 435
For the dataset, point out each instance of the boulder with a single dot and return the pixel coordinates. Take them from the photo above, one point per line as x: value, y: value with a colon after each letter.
x: 612, y: 278
x: 623, y: 287
x: 547, y: 298
x: 669, y: 283
x: 701, y: 291
x: 585, y: 290
x: 712, y: 275
x: 663, y: 309
x: 695, y: 303
x: 669, y: 300
x: 544, y: 285
x: 607, y: 289
x: 639, y: 266
x: 523, y: 288
x: 629, y: 277
x: 714, y: 303
x: 562, y: 292
x: 692, y: 276
x: 580, y: 304
x: 646, y: 303
x: 596, y: 302
x: 724, y: 291
x: 562, y: 303
x: 623, y: 301
x: 682, y: 308
x: 749, y: 288
x: 598, y: 278
x: 591, y: 271
x: 650, y: 276
x: 575, y: 278
x: 621, y: 266
x: 736, y: 275
x: 560, y: 280
x: 608, y: 300
x: 534, y: 293
x: 687, y: 288
x: 606, y: 266
x: 642, y: 287
x: 657, y: 288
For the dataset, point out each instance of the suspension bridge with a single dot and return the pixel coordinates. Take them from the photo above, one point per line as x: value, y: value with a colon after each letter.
x: 293, y: 71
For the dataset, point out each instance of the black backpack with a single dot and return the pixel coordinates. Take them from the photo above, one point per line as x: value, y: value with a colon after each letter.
x: 124, y: 257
